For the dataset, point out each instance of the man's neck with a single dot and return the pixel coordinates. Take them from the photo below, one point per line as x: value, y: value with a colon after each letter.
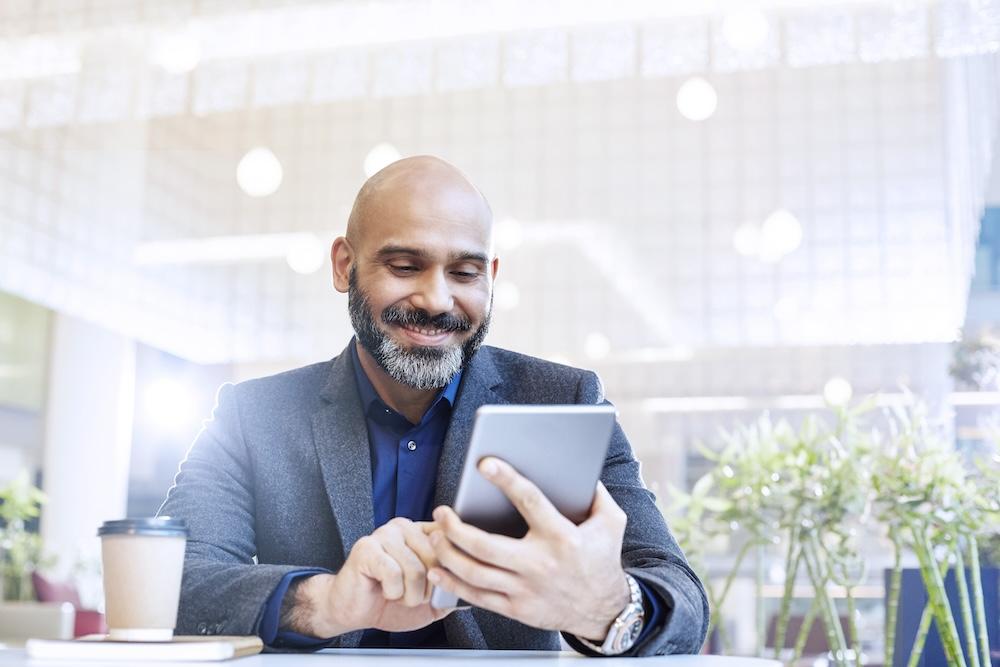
x: 407, y: 401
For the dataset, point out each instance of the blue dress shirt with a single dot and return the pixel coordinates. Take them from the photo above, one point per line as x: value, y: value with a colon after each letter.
x: 404, y: 462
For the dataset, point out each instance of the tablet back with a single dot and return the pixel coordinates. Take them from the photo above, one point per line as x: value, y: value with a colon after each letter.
x: 561, y: 448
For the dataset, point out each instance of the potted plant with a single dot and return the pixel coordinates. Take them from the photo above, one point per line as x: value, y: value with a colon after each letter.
x: 773, y: 488
x: 20, y: 550
x: 935, y: 506
x: 809, y: 497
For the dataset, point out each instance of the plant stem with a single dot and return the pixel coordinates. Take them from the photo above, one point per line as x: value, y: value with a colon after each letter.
x: 938, y: 598
x: 791, y: 570
x: 971, y: 651
x: 923, y: 629
x: 921, y: 637
x: 807, y: 623
x: 852, y: 623
x: 716, y: 614
x: 724, y: 638
x: 978, y: 596
x: 720, y: 628
x: 759, y: 591
x: 892, y: 601
x: 827, y: 607
x: 727, y: 584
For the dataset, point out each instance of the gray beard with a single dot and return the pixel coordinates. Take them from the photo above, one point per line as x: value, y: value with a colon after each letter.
x: 419, y: 367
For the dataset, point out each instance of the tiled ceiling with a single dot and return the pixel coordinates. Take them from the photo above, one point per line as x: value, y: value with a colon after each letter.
x: 625, y: 211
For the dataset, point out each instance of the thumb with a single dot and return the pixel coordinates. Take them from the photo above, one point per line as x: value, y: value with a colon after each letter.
x: 438, y: 614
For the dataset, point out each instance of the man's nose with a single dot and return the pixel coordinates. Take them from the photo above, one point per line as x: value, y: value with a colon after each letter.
x: 434, y: 294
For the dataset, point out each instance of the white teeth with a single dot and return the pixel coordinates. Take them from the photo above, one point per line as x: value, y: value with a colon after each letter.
x: 426, y: 332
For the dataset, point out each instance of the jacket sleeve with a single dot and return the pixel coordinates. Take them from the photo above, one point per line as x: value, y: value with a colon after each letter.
x: 649, y: 551
x: 223, y: 590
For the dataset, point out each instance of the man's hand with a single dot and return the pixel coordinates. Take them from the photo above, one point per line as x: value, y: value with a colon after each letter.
x: 383, y: 584
x: 558, y: 577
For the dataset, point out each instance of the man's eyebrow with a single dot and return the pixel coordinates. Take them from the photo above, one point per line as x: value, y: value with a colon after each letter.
x: 389, y: 250
x: 465, y: 256
x: 470, y: 257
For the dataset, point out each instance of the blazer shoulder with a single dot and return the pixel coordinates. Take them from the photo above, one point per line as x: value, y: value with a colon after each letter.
x: 528, y: 379
x: 291, y: 385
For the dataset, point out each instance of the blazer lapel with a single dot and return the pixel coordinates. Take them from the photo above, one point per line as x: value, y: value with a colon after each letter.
x: 340, y: 434
x: 478, y: 382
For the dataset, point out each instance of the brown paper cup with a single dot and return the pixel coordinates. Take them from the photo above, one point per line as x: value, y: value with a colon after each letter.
x: 143, y: 562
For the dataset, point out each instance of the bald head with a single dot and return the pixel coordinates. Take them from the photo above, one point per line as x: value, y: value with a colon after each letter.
x: 423, y: 185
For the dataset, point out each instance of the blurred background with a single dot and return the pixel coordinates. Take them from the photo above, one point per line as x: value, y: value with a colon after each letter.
x: 724, y: 208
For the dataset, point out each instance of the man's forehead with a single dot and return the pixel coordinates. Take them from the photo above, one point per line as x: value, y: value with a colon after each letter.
x: 421, y: 192
x: 439, y: 226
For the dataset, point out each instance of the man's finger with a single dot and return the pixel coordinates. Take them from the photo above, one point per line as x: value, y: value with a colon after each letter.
x: 470, y: 570
x: 489, y: 600
x: 419, y: 541
x: 381, y: 567
x: 538, y: 512
x: 498, y: 550
x: 414, y: 574
x: 438, y: 614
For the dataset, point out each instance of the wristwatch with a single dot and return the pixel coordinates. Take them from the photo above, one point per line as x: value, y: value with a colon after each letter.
x: 626, y: 628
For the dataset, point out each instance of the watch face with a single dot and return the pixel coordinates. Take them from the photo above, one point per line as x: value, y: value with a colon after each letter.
x: 634, y: 631
x: 629, y: 633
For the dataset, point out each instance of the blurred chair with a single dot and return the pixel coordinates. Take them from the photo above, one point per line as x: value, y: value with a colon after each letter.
x: 86, y: 622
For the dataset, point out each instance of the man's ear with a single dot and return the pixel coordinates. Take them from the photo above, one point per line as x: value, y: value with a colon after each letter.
x: 494, y: 268
x: 341, y: 258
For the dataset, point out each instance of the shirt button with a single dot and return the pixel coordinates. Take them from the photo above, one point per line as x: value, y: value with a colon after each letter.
x: 412, y: 446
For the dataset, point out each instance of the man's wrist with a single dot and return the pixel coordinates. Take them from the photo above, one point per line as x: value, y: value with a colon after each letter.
x: 596, y: 627
x: 308, y: 608
x: 627, y: 628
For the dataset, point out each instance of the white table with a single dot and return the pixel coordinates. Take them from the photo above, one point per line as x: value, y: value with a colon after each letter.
x: 416, y: 658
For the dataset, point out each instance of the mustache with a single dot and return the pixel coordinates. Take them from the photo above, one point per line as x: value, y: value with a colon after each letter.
x: 421, y: 318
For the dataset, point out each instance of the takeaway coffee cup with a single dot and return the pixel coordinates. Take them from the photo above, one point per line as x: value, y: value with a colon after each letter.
x: 143, y: 561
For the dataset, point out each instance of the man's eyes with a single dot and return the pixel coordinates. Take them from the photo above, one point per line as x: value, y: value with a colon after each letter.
x: 465, y: 275
x: 409, y: 269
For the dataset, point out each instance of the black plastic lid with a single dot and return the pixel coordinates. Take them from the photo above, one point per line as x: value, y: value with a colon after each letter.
x: 161, y: 526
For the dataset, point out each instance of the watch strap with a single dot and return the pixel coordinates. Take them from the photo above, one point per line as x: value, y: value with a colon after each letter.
x: 623, y: 631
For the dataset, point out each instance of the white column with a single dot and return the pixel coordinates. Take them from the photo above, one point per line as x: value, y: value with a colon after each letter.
x: 88, y: 432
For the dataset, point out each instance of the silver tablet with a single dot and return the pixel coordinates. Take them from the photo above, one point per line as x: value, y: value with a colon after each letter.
x: 561, y: 448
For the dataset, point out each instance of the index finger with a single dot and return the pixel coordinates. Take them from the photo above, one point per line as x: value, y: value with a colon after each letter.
x: 417, y: 539
x: 539, y: 513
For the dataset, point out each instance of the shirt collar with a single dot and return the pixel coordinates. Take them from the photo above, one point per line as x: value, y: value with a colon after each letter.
x: 368, y: 395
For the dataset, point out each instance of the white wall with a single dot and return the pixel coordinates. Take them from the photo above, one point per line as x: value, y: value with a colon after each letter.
x: 87, y: 440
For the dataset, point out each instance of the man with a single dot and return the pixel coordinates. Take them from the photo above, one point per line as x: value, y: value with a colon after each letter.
x: 336, y: 478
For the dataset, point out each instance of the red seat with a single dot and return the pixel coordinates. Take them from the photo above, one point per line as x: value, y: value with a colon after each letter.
x: 88, y: 621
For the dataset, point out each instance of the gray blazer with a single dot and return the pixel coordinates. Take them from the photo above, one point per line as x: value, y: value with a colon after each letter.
x: 281, y: 475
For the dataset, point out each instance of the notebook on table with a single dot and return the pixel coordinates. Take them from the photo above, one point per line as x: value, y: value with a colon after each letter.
x: 181, y: 648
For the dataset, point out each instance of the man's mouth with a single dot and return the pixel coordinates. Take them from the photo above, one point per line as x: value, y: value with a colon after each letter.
x: 424, y: 335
